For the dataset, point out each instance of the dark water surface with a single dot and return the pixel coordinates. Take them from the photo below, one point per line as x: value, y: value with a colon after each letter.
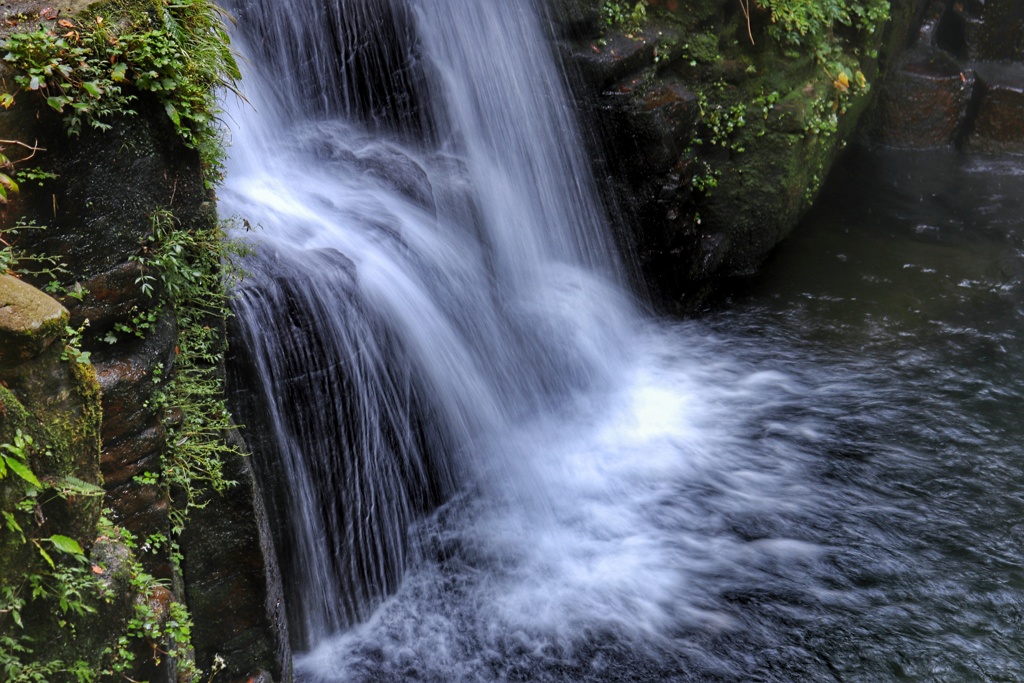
x: 822, y: 482
x: 901, y: 298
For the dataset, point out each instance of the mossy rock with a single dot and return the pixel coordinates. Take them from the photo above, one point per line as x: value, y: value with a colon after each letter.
x: 708, y: 202
x: 29, y: 321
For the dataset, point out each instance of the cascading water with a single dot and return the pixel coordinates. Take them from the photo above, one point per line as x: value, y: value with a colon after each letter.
x: 483, y: 462
x: 432, y: 271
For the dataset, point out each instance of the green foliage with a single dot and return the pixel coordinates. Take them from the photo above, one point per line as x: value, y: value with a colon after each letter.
x: 819, y: 44
x: 91, y: 70
x: 7, y: 184
x: 814, y: 24
x: 184, y: 269
x: 721, y: 121
x: 72, y: 589
x: 73, y: 345
x: 34, y: 174
x: 60, y: 585
x: 17, y: 262
x: 14, y: 458
x: 168, y: 633
x: 823, y: 28
x: 623, y: 14
x: 67, y: 589
x: 137, y: 326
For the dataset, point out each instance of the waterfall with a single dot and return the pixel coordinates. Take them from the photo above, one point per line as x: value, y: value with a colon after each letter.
x: 431, y: 269
x: 483, y: 462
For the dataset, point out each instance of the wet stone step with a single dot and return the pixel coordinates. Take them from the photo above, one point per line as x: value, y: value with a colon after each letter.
x: 924, y: 104
x: 998, y: 126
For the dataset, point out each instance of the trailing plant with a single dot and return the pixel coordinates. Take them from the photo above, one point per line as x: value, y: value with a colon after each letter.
x: 93, y: 69
x: 186, y: 269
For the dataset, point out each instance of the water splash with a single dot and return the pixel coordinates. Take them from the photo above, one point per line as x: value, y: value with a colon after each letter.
x: 436, y: 318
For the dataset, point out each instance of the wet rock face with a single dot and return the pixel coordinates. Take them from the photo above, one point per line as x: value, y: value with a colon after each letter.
x: 100, y: 206
x: 134, y: 437
x: 231, y: 580
x: 962, y: 83
x: 993, y: 29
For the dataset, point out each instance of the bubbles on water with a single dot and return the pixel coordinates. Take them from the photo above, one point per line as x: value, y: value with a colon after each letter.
x: 639, y: 510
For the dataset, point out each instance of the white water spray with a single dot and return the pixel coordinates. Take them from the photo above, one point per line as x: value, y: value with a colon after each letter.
x: 435, y: 317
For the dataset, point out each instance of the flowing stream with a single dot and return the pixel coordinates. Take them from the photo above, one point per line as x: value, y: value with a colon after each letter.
x: 485, y: 462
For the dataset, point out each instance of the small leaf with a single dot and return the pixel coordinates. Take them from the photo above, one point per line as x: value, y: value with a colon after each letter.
x: 173, y: 113
x: 66, y: 544
x: 8, y: 183
x: 92, y: 88
x: 117, y: 74
x: 12, y: 523
x: 34, y: 83
x: 23, y: 471
x: 6, y: 100
x: 46, y: 556
x: 56, y: 103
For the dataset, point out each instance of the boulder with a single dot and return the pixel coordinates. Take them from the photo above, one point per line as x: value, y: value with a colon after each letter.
x: 29, y: 321
x: 714, y: 139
